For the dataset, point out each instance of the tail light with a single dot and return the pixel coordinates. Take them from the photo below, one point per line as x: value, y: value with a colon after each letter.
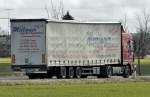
x: 43, y: 58
x: 13, y: 59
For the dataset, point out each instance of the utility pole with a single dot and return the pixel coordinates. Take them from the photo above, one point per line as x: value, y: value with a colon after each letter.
x: 8, y: 16
x: 139, y: 66
x: 8, y: 34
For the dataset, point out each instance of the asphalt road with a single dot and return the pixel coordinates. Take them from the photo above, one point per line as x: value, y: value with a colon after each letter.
x: 14, y: 78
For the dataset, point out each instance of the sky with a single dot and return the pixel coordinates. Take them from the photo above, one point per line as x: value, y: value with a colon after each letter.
x: 84, y: 10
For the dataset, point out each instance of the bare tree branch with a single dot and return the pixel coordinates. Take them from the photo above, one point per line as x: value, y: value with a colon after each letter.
x: 142, y: 35
x: 57, y: 10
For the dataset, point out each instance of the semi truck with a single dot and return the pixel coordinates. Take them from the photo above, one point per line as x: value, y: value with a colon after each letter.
x: 70, y: 49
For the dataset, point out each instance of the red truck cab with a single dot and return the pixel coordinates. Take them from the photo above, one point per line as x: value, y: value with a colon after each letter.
x: 127, y: 50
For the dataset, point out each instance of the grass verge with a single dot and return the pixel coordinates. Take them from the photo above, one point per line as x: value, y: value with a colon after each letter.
x: 6, y: 60
x: 128, y: 89
x: 5, y: 70
x: 145, y: 69
x: 145, y: 61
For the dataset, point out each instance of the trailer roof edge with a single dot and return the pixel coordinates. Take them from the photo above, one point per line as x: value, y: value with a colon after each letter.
x: 41, y: 19
x: 90, y: 22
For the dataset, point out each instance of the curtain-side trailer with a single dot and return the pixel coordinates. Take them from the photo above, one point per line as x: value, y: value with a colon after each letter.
x: 69, y: 49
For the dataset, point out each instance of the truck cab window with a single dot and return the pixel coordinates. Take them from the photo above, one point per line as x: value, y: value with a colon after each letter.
x: 130, y: 45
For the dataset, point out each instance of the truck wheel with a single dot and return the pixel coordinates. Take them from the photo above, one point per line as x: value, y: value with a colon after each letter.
x: 78, y: 72
x: 62, y: 72
x: 109, y: 71
x: 71, y: 72
x: 75, y: 76
x: 49, y: 74
x: 83, y: 76
x: 31, y: 76
x: 126, y: 72
x: 106, y: 71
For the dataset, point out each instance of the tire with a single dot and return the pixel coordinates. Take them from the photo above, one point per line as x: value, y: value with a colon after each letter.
x: 75, y: 76
x: 49, y: 74
x: 71, y: 72
x: 78, y: 72
x: 32, y: 76
x: 99, y: 76
x: 106, y: 71
x: 83, y: 76
x: 62, y: 72
x: 109, y: 71
x: 126, y: 72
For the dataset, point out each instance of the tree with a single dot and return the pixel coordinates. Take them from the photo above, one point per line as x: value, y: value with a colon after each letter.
x: 141, y: 38
x: 124, y: 22
x: 67, y: 16
x: 57, y: 9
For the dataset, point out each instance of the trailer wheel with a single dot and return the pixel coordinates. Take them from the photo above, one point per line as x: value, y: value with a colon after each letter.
x: 62, y: 72
x: 109, y: 71
x: 49, y: 74
x: 83, y: 76
x: 71, y: 72
x: 126, y: 71
x: 78, y: 72
x: 106, y: 71
x: 75, y: 76
x: 31, y: 76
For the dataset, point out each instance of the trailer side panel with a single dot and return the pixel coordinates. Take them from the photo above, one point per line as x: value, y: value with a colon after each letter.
x: 83, y: 44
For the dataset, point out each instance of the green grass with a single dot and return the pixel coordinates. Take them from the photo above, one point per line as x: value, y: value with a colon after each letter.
x: 145, y: 69
x: 5, y: 70
x: 6, y: 60
x: 128, y: 89
x: 145, y: 66
x: 5, y: 67
x: 145, y: 61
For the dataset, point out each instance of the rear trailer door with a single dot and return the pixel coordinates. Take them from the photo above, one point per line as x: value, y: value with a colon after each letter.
x: 28, y: 43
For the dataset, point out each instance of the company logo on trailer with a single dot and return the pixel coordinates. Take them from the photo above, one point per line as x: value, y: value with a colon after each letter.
x: 23, y: 29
